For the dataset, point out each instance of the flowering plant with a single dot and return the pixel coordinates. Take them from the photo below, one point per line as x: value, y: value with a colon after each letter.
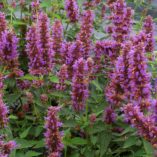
x: 77, y: 79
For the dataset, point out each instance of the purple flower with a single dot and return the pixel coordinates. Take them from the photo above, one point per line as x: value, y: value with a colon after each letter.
x: 8, y: 50
x: 80, y: 82
x: 148, y: 28
x: 72, y: 10
x: 3, y: 113
x: 34, y: 52
x: 138, y: 75
x: 39, y: 47
x: 3, y: 23
x: 106, y: 48
x: 63, y: 76
x: 6, y: 148
x: 57, y: 39
x: 43, y: 25
x: 53, y: 136
x: 145, y: 125
x: 118, y: 89
x: 109, y: 116
x: 121, y: 17
x: 84, y: 36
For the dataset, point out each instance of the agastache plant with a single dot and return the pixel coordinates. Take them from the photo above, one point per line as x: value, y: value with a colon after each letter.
x: 148, y: 28
x: 138, y: 75
x: 121, y: 17
x: 3, y: 23
x: 3, y: 113
x: 145, y: 125
x: 57, y: 40
x: 53, y: 136
x: 34, y: 52
x: 63, y: 76
x: 72, y: 10
x: 43, y: 25
x: 80, y: 83
x: 6, y: 147
x: 86, y: 31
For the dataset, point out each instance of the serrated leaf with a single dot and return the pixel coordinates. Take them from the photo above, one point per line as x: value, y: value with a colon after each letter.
x: 132, y: 140
x: 25, y: 133
x: 104, y: 140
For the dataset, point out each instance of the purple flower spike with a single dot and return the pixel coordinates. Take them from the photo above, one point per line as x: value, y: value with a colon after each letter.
x: 109, y: 115
x: 145, y: 125
x: 3, y: 23
x: 57, y: 39
x: 138, y: 75
x: 80, y: 82
x: 85, y: 33
x: 43, y: 25
x: 148, y: 28
x: 34, y: 52
x: 6, y: 148
x: 53, y: 136
x: 72, y: 10
x: 121, y: 17
x: 3, y: 113
x: 39, y: 47
x: 8, y: 50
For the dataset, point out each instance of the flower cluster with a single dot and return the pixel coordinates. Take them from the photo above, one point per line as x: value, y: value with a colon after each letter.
x: 138, y: 75
x: 109, y: 115
x: 34, y: 52
x: 3, y: 23
x: 39, y: 47
x: 57, y: 39
x: 121, y: 18
x: 45, y: 40
x: 72, y: 10
x: 80, y: 84
x: 8, y: 49
x: 105, y: 48
x: 53, y: 135
x: 148, y: 28
x: 121, y: 69
x: 3, y: 113
x: 86, y: 32
x: 6, y: 148
x: 145, y: 124
x: 63, y: 75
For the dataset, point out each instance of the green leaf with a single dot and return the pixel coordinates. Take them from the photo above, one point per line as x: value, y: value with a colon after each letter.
x: 97, y: 85
x: 104, y: 140
x: 25, y: 133
x: 132, y: 140
x: 54, y: 79
x: 32, y: 153
x: 46, y: 4
x: 29, y: 77
x: 78, y: 141
x: 12, y: 117
x: 148, y: 147
x: 22, y: 143
x: 40, y: 144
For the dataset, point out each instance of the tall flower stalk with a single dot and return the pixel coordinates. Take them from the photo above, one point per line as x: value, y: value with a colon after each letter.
x: 85, y: 34
x: 39, y: 47
x: 72, y: 10
x: 80, y: 83
x: 53, y: 137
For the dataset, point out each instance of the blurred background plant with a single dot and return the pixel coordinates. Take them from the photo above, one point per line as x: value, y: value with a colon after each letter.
x: 88, y: 133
